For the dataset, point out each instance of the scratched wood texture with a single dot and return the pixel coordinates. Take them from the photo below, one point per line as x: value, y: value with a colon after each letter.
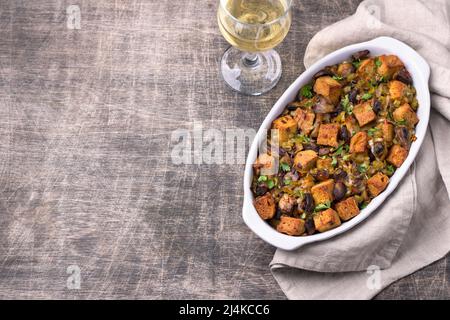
x: 86, y: 177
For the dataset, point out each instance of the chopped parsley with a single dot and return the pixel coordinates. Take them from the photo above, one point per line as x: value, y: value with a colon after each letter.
x: 363, y: 205
x: 285, y: 167
x: 362, y: 168
x: 372, y: 131
x: 367, y: 96
x: 303, y: 138
x: 338, y: 78
x: 356, y: 64
x: 287, y: 181
x: 306, y: 91
x: 262, y: 178
x: 346, y: 105
x: 334, y: 162
x: 323, y: 206
x: 378, y: 62
x: 390, y: 170
x: 270, y: 183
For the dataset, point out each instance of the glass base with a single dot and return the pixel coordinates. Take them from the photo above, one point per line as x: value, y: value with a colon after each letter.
x: 251, y: 73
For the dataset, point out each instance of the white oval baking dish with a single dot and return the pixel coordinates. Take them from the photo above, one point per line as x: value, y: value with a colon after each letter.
x: 420, y: 72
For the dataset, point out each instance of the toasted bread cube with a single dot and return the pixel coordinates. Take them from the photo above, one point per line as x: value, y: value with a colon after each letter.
x: 325, y: 164
x: 266, y: 165
x: 347, y: 209
x: 389, y: 65
x: 328, y: 88
x: 291, y: 226
x: 305, y: 160
x: 351, y: 124
x: 377, y: 183
x: 345, y: 69
x: 387, y: 130
x: 323, y: 192
x: 396, y: 89
x: 367, y: 69
x: 405, y: 113
x: 326, y: 220
x: 286, y: 127
x: 397, y: 155
x: 265, y: 206
x: 305, y: 120
x: 358, y: 143
x: 328, y: 135
x: 364, y: 113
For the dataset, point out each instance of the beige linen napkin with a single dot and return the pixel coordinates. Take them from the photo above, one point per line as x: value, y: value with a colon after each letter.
x: 412, y: 228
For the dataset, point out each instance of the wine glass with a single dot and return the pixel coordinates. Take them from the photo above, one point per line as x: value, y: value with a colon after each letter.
x: 253, y: 28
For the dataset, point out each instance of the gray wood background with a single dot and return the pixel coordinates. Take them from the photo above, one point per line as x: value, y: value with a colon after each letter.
x: 86, y: 177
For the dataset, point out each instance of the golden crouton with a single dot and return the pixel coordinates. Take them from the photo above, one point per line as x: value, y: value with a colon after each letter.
x: 305, y: 120
x: 397, y: 155
x: 305, y: 160
x: 367, y: 69
x: 323, y: 192
x: 364, y: 113
x: 328, y: 88
x: 358, y: 143
x: 396, y: 89
x: 286, y: 127
x: 387, y: 130
x: 326, y: 220
x: 351, y: 124
x: 291, y: 226
x: 265, y: 206
x: 328, y: 135
x: 266, y: 165
x: 325, y: 164
x: 377, y: 183
x: 347, y: 209
x: 389, y: 65
x: 405, y: 113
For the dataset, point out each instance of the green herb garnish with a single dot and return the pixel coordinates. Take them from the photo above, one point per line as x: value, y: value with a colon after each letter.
x: 287, y: 182
x: 346, y: 157
x: 303, y: 138
x: 401, y: 122
x: 346, y: 105
x: 262, y: 178
x: 362, y: 168
x: 334, y: 162
x: 356, y: 64
x: 338, y: 78
x: 363, y: 205
x: 378, y: 62
x: 323, y: 206
x: 285, y: 167
x: 367, y: 96
x: 390, y: 170
x: 306, y: 91
x: 372, y: 131
x: 270, y: 183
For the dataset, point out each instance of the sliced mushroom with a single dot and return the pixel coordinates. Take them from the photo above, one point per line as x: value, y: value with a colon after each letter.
x: 360, y: 55
x: 402, y: 136
x: 322, y: 106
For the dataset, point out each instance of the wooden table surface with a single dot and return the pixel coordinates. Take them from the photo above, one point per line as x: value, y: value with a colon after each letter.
x: 88, y: 188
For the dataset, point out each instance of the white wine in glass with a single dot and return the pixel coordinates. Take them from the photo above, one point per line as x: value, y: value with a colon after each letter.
x: 253, y: 28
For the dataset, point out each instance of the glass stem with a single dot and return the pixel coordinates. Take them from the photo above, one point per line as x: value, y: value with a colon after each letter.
x: 251, y: 60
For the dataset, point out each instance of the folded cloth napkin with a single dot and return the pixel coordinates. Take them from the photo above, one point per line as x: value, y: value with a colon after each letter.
x: 412, y: 228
